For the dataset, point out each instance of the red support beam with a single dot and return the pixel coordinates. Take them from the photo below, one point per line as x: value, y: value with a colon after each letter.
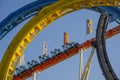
x: 63, y: 56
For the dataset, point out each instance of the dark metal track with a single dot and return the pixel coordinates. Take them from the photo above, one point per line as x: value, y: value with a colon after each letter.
x: 104, y: 62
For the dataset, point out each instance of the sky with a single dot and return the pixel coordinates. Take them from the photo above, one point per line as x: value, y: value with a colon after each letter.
x: 75, y: 25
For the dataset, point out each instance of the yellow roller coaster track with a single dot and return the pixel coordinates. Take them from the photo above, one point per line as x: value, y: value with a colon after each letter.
x: 46, y: 16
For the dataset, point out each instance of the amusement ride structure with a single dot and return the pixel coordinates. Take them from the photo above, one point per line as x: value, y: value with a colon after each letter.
x: 44, y: 12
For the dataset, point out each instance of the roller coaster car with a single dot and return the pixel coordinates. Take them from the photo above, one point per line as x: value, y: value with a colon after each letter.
x: 34, y: 63
x: 41, y: 59
x: 18, y: 71
x: 69, y: 46
x: 76, y: 45
x: 44, y: 58
x: 56, y: 52
x: 29, y: 65
x: 52, y: 53
x: 21, y: 69
x: 64, y: 47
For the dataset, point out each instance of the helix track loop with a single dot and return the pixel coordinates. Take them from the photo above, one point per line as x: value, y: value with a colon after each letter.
x: 101, y: 48
x: 37, y: 24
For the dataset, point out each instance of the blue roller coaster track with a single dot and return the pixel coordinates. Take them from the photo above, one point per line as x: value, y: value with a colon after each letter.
x: 22, y: 14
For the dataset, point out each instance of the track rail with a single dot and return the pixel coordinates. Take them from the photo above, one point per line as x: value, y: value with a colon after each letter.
x: 33, y: 8
x: 64, y: 55
x: 37, y: 24
x: 15, y: 18
x: 101, y: 48
x: 113, y: 11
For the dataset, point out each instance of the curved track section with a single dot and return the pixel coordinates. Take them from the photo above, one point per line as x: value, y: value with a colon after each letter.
x: 101, y: 48
x: 113, y: 11
x: 37, y: 24
x: 31, y: 9
x: 22, y: 14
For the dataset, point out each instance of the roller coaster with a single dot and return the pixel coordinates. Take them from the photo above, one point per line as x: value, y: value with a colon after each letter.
x: 47, y: 12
